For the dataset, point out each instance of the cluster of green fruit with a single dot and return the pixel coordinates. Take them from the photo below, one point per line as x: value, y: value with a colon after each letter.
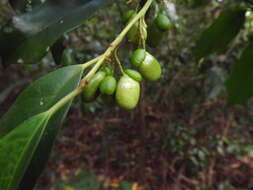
x: 155, y: 32
x: 127, y: 88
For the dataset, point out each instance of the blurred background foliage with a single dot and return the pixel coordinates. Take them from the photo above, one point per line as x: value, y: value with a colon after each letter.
x: 181, y: 136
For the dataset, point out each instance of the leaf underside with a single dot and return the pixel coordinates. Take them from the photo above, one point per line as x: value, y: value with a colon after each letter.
x: 17, y: 148
x: 223, y: 30
x: 35, y: 99
x: 239, y: 83
x: 29, y: 36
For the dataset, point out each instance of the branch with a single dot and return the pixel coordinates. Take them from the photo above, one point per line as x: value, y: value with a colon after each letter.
x: 99, y: 60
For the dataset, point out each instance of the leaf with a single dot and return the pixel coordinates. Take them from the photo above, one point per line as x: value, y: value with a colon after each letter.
x: 38, y: 98
x: 17, y: 148
x: 31, y: 34
x: 41, y: 95
x: 239, y: 83
x: 224, y: 29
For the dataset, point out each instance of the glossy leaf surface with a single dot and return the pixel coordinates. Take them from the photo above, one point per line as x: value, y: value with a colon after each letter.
x: 17, y: 148
x: 223, y: 30
x: 35, y: 99
x: 30, y: 35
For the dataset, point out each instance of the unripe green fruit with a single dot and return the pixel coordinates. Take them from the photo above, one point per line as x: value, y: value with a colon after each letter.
x: 157, y: 30
x: 155, y: 36
x: 138, y: 57
x: 134, y: 74
x: 128, y: 16
x: 162, y: 22
x: 127, y: 92
x: 108, y: 85
x: 150, y: 68
x: 107, y: 70
x: 89, y: 91
x: 132, y: 34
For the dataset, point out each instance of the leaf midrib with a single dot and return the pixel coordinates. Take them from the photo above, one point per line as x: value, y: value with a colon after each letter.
x: 30, y: 139
x: 63, y: 86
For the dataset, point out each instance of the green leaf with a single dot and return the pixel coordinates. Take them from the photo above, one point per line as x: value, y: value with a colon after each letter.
x: 31, y: 34
x: 239, y: 83
x: 224, y: 29
x: 38, y: 98
x: 41, y: 95
x: 17, y: 148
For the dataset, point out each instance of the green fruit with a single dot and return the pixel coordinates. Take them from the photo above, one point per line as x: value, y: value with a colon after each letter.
x: 133, y: 34
x: 107, y: 70
x: 157, y: 29
x: 138, y: 57
x: 127, y: 92
x: 150, y: 68
x: 134, y: 74
x: 108, y: 85
x: 162, y: 22
x: 127, y: 16
x: 89, y: 92
x: 155, y: 36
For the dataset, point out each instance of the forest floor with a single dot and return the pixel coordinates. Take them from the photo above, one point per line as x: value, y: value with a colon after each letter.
x: 162, y: 145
